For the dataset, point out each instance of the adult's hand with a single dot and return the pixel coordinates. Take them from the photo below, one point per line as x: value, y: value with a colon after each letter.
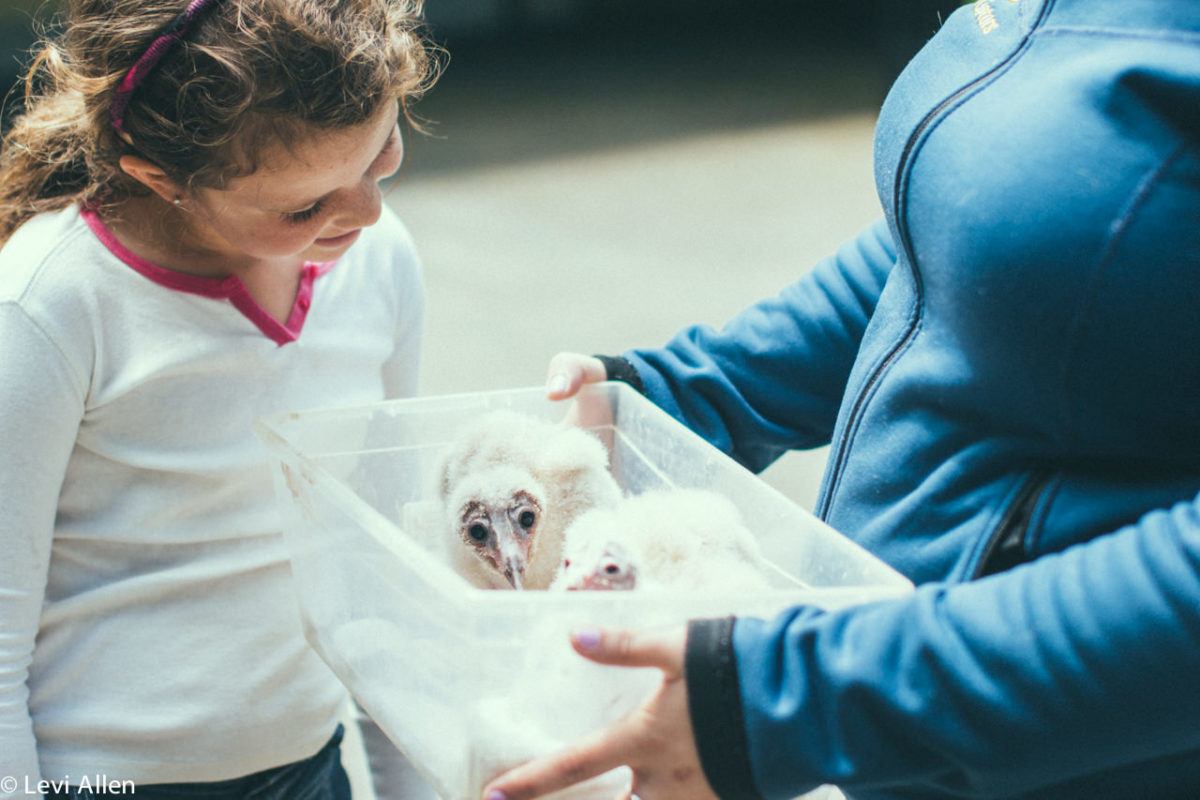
x: 655, y: 740
x: 569, y: 371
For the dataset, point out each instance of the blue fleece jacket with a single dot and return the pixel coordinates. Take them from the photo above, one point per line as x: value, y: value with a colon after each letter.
x: 1008, y: 369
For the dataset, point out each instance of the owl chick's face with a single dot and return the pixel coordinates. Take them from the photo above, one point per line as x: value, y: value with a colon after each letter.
x: 501, y: 528
x: 598, y: 566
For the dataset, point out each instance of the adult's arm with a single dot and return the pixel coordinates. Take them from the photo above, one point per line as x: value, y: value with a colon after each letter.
x: 772, y: 379
x: 1084, y: 663
x: 41, y: 404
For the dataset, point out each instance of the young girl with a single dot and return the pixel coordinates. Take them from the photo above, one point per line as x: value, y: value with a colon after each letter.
x: 188, y: 212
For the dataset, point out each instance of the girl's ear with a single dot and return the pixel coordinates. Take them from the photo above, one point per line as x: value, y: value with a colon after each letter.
x: 152, y: 177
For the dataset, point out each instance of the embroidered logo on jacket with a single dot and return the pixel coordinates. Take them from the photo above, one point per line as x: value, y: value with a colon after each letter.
x: 985, y: 16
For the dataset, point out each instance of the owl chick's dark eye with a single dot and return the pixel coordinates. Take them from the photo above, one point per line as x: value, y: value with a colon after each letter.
x: 527, y: 519
x: 611, y: 568
x: 478, y: 532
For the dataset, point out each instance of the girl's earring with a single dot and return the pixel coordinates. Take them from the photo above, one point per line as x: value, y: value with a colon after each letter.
x: 177, y: 201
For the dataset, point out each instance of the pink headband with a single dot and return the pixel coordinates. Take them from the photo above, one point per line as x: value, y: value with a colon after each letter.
x: 171, y: 34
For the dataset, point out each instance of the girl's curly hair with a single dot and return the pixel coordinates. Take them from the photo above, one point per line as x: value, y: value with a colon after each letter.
x: 251, y: 72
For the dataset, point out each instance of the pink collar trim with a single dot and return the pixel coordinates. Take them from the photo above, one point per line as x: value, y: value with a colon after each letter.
x: 230, y: 288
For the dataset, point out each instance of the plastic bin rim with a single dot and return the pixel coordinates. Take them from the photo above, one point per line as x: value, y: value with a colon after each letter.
x: 270, y: 429
x: 272, y: 422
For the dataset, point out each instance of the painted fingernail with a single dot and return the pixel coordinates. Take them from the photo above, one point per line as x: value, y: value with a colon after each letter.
x: 496, y: 794
x: 587, y: 638
x: 556, y: 385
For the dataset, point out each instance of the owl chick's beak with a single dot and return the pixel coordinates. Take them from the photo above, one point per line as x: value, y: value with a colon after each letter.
x: 513, y: 555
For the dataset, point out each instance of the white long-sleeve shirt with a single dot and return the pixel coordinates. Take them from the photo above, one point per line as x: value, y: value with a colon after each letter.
x: 148, y: 630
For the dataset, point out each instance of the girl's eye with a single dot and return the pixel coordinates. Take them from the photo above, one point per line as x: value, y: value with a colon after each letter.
x: 297, y: 217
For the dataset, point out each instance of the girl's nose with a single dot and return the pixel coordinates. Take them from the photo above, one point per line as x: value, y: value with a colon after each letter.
x: 363, y: 208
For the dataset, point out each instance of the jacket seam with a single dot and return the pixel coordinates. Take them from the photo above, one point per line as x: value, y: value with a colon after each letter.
x: 1117, y: 230
x: 995, y: 523
x: 1037, y: 520
x: 1116, y: 33
x: 912, y: 328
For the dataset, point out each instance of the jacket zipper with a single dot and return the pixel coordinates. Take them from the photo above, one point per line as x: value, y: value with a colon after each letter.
x: 838, y: 462
x: 1006, y: 547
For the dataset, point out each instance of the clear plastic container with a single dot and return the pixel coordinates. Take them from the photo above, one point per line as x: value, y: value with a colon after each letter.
x: 465, y: 681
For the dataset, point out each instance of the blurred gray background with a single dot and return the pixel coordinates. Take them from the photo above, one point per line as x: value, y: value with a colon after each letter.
x: 599, y: 173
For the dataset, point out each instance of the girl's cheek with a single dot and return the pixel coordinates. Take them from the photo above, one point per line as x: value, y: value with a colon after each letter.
x: 283, y: 238
x: 287, y: 234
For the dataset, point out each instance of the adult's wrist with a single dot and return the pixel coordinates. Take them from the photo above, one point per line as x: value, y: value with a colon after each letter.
x: 619, y: 368
x: 715, y: 707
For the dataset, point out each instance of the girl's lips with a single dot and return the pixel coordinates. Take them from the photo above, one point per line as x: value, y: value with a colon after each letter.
x: 339, y: 241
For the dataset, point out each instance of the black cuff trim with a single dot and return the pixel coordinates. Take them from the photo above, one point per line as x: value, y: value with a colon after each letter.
x: 715, y: 705
x: 619, y: 368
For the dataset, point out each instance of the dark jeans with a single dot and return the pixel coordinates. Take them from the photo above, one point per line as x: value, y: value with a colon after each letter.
x: 318, y: 778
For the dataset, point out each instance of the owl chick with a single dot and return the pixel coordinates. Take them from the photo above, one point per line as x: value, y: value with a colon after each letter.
x: 510, y: 484
x: 679, y: 540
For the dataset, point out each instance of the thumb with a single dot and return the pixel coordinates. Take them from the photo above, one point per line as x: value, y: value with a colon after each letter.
x: 661, y: 649
x: 569, y: 371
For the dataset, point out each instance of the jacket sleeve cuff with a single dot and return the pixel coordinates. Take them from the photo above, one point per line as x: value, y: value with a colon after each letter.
x: 619, y: 368
x: 715, y: 706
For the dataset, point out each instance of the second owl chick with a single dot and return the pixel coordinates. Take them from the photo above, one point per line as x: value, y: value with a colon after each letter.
x: 679, y: 540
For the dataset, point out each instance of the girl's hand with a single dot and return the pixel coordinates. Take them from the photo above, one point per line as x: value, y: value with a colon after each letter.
x: 655, y: 740
x: 569, y: 371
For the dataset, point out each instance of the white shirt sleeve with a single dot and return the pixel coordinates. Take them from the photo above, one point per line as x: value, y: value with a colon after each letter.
x: 41, y: 404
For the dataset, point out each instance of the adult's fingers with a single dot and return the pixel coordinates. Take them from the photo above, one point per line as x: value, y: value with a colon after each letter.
x: 595, y: 755
x: 663, y: 649
x: 569, y: 371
